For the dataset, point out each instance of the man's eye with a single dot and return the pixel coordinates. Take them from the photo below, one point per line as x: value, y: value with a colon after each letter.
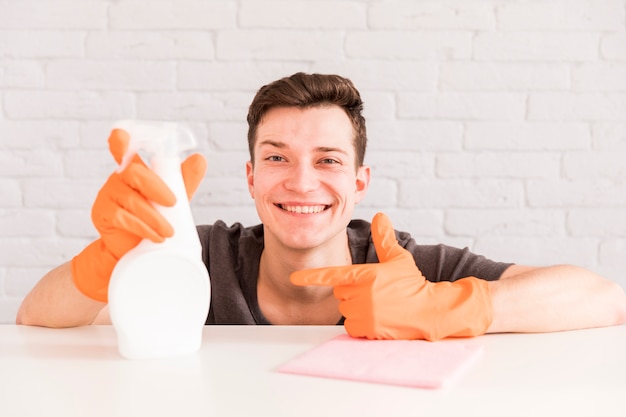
x: 329, y: 161
x: 275, y: 158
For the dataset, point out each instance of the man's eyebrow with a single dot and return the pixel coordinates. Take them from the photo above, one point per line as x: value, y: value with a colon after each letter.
x: 279, y: 144
x: 331, y: 149
x: 273, y: 143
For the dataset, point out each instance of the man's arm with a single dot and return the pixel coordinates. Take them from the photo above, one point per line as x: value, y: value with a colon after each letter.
x: 391, y: 299
x: 56, y: 302
x: 75, y: 293
x: 554, y: 298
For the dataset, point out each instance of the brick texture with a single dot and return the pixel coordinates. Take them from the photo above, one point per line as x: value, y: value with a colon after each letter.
x: 497, y: 125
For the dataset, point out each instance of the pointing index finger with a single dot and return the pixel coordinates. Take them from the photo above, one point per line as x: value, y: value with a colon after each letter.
x: 331, y: 276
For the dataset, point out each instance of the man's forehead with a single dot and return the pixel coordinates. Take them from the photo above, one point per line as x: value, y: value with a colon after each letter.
x: 316, y: 129
x: 315, y: 115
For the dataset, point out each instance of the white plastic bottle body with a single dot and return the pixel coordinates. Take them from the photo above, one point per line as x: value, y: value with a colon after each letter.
x: 159, y: 293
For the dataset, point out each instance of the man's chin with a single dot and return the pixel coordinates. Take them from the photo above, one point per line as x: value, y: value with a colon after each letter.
x: 300, y: 244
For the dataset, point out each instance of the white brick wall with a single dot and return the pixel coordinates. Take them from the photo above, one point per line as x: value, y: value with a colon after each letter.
x: 494, y: 124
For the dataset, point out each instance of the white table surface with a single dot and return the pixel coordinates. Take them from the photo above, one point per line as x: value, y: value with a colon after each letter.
x: 79, y: 372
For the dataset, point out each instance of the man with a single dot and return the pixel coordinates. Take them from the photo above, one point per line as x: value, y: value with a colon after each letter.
x: 308, y: 263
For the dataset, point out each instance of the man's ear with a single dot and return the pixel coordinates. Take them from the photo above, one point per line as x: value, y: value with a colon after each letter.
x: 362, y: 182
x: 250, y: 178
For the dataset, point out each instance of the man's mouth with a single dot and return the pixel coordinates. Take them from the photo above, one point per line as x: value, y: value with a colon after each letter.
x: 304, y: 209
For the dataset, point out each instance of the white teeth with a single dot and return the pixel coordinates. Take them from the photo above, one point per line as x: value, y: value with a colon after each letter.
x: 304, y: 209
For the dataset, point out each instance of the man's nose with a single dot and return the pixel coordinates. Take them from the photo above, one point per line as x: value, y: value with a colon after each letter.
x: 302, y: 178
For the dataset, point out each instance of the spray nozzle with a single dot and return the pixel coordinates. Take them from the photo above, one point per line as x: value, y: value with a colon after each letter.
x: 157, y: 138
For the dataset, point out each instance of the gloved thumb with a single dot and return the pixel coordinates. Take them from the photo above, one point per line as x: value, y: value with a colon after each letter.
x: 384, y: 238
x: 193, y: 169
x: 118, y: 144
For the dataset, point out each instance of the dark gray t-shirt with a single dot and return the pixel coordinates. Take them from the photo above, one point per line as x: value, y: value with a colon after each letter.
x: 232, y: 256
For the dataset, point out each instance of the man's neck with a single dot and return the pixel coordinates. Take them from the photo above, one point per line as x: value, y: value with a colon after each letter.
x: 285, y: 303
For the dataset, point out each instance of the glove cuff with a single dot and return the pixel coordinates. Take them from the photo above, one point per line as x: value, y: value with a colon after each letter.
x: 92, y: 269
x: 478, y: 308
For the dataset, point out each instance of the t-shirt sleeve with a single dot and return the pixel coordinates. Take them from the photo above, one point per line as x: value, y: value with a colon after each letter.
x: 446, y: 263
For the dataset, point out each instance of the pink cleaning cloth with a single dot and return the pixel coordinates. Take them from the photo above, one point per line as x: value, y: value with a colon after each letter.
x: 412, y: 363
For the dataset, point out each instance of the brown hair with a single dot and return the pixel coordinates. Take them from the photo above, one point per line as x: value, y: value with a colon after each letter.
x: 310, y: 90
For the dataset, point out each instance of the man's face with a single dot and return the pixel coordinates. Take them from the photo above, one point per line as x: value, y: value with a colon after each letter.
x: 304, y: 180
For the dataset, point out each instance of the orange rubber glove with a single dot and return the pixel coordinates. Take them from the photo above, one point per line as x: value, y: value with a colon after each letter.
x: 393, y: 300
x: 123, y: 215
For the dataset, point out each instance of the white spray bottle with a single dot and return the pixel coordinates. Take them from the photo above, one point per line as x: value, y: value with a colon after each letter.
x: 159, y: 293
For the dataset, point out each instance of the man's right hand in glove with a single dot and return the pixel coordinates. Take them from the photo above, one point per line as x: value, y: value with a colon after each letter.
x: 124, y: 215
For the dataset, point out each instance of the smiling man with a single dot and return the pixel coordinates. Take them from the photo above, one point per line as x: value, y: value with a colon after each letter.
x: 309, y: 262
x: 305, y: 179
